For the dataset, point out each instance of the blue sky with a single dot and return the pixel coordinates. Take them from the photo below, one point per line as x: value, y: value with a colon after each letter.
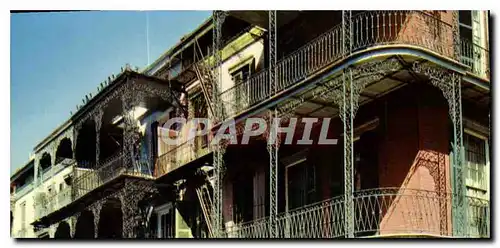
x: 58, y: 58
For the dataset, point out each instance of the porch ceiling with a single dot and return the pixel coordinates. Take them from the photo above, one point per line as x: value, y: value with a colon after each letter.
x: 477, y: 95
x: 321, y: 107
x: 261, y: 18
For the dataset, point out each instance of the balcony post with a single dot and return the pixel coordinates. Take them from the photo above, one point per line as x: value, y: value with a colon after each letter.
x: 218, y: 19
x: 98, y: 123
x: 76, y: 129
x: 96, y: 211
x: 456, y: 36
x: 273, y: 147
x: 132, y: 192
x: 460, y: 190
x: 219, y: 170
x: 128, y: 123
x: 450, y: 85
x: 219, y: 149
x: 346, y: 32
x: 74, y: 219
x: 347, y: 117
x: 36, y: 169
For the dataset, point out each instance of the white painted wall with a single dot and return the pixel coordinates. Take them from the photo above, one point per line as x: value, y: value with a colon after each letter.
x: 255, y: 50
x: 32, y: 211
x: 18, y: 225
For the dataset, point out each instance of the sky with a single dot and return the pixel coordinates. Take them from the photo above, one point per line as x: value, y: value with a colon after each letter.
x: 58, y: 58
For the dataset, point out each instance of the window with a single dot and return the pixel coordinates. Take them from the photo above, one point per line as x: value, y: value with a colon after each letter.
x: 472, y: 37
x: 165, y: 221
x: 200, y: 111
x: 476, y: 165
x: 301, y: 184
x: 50, y: 190
x: 239, y: 77
x: 477, y: 174
x: 243, y: 203
x: 23, y: 215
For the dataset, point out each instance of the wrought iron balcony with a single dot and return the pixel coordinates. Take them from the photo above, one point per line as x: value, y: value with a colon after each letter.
x: 369, y: 29
x: 86, y: 180
x: 181, y: 155
x: 385, y: 212
x: 477, y: 58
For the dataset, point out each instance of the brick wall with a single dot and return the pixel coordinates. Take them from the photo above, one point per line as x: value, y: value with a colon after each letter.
x: 415, y: 156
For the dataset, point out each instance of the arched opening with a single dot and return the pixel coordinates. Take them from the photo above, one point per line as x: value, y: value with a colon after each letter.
x: 64, y: 150
x: 63, y: 231
x: 400, y: 140
x: 45, y: 163
x: 84, y: 228
x: 111, y: 133
x: 85, y: 151
x: 111, y: 222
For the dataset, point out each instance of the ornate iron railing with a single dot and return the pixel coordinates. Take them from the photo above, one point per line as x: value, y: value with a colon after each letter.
x: 368, y: 28
x: 478, y: 218
x: 182, y: 154
x: 52, y: 203
x: 86, y: 180
x: 319, y: 220
x: 256, y: 229
x: 393, y: 211
x: 384, y: 212
x: 476, y: 58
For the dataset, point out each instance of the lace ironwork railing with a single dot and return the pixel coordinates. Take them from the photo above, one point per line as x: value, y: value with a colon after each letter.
x: 369, y: 29
x: 53, y: 203
x: 383, y: 212
x: 87, y: 180
x: 182, y: 154
x: 394, y: 211
x: 319, y: 220
x: 256, y: 229
x: 476, y: 58
x: 478, y: 218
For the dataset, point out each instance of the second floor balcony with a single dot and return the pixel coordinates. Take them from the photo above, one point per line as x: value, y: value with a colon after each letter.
x: 46, y: 203
x: 384, y: 212
x: 369, y: 30
x: 88, y: 179
x: 179, y: 155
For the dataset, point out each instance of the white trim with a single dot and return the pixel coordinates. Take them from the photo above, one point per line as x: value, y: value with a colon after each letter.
x: 363, y: 128
x: 163, y: 208
x: 487, y: 160
x: 475, y: 134
x: 160, y: 211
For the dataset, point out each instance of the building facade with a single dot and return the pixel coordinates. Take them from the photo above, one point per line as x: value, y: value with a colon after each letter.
x: 406, y: 95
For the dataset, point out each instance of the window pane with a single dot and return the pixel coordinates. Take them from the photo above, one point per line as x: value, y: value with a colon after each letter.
x: 464, y: 17
x: 475, y: 157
